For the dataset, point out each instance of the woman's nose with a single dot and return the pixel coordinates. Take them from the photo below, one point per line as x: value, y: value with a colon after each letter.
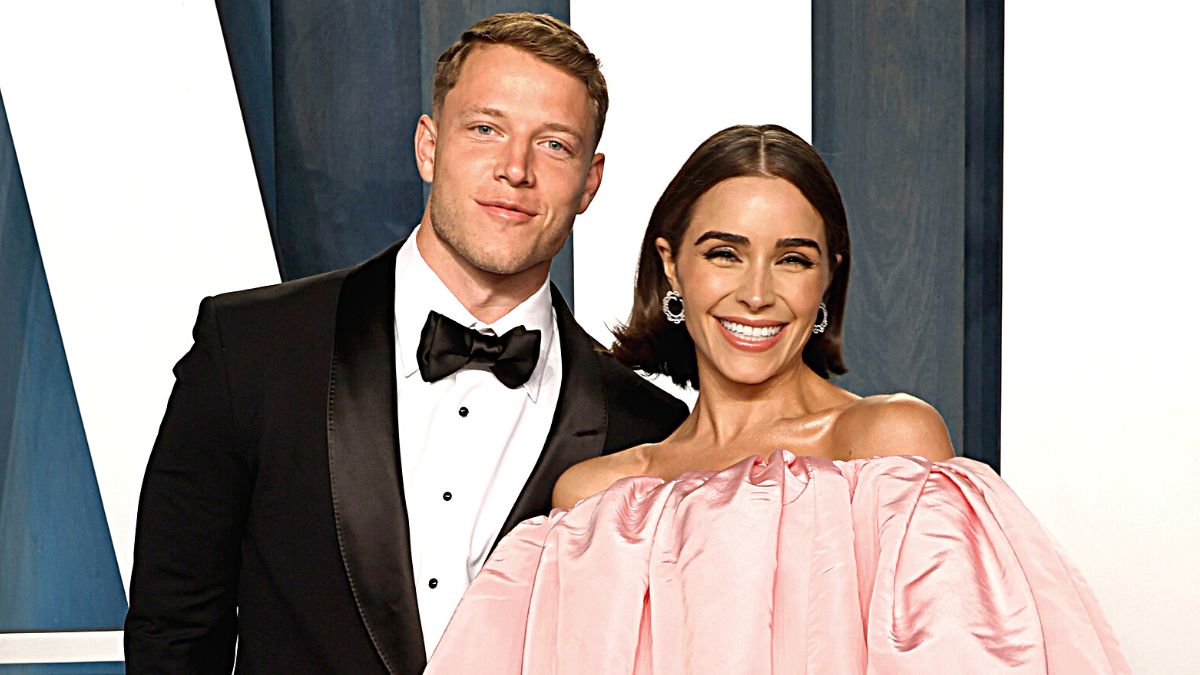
x: 757, y: 290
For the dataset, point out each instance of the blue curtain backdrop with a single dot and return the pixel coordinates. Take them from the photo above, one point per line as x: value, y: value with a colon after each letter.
x: 911, y: 127
x: 330, y: 96
x: 58, y: 570
x: 94, y: 668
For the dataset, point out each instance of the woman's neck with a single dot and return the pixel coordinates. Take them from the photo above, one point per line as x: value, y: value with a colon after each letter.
x: 728, y: 411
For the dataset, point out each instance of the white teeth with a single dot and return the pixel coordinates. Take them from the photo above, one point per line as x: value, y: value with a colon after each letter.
x: 751, y: 332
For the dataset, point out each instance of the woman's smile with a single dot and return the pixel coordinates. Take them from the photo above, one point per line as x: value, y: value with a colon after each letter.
x: 751, y: 267
x: 751, y: 335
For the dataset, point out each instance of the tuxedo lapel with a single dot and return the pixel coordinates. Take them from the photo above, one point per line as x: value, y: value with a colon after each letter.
x: 364, y: 464
x: 580, y: 421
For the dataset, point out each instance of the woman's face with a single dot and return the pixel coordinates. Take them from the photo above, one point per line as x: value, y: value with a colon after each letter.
x: 752, y: 267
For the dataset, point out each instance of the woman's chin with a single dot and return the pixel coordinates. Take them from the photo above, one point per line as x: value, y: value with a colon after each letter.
x: 745, y: 367
x: 746, y: 374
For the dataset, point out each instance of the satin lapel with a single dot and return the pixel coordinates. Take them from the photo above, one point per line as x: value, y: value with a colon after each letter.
x: 364, y: 465
x: 580, y: 421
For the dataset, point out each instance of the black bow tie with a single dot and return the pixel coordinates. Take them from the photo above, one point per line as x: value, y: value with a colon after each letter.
x: 447, y: 346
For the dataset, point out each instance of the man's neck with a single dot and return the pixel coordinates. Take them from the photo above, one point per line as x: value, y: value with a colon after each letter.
x: 486, y: 295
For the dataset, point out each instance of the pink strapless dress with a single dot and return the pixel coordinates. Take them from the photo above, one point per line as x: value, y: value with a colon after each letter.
x: 790, y: 565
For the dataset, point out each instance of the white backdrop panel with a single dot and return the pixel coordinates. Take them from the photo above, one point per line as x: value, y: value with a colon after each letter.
x: 140, y: 182
x: 677, y: 72
x: 1101, y: 375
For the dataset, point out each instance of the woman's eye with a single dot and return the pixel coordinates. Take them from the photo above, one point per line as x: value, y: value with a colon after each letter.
x: 800, y: 260
x: 723, y: 254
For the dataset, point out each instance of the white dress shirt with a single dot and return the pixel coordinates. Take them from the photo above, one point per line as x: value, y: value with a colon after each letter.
x: 467, y: 442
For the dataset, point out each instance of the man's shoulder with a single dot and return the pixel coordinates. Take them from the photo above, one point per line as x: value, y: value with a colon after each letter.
x: 637, y: 403
x: 272, y: 328
x: 307, y: 292
x: 630, y: 395
x: 630, y: 386
x: 274, y: 297
x: 257, y: 321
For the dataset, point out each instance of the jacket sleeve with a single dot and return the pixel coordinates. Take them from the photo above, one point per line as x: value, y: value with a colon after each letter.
x: 191, y: 516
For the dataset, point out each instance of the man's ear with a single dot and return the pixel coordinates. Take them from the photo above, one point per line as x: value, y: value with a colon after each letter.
x: 592, y: 182
x: 425, y: 146
x: 668, y: 261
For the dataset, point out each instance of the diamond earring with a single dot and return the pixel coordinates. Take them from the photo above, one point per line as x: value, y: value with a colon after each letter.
x: 824, y: 322
x: 673, y: 317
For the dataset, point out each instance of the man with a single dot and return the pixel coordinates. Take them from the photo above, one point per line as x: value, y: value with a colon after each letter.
x: 341, y: 453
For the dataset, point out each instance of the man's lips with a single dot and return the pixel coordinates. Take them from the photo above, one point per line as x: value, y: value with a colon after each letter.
x: 505, y: 209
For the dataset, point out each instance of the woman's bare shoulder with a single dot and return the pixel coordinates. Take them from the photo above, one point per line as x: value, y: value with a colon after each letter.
x: 893, y: 424
x: 593, y: 475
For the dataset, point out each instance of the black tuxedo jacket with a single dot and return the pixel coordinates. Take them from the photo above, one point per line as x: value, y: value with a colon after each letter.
x: 272, y: 510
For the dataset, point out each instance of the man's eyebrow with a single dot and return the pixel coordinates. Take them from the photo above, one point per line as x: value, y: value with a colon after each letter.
x: 500, y: 115
x: 792, y: 242
x: 490, y: 112
x: 564, y: 129
x: 722, y: 236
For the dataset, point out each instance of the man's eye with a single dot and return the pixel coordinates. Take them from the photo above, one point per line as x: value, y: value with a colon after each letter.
x: 483, y: 129
x: 558, y: 147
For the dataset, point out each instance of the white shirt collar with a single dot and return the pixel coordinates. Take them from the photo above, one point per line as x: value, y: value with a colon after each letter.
x: 419, y: 290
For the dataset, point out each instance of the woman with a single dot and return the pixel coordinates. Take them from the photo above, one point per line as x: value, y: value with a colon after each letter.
x: 788, y: 525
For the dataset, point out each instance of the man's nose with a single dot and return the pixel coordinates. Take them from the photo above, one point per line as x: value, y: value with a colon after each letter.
x: 513, y: 165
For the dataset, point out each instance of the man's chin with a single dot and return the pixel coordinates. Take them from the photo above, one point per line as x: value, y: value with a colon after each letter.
x: 496, y: 254
x: 502, y: 262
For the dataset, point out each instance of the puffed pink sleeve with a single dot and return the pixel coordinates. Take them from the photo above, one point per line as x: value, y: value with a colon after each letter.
x: 956, y: 575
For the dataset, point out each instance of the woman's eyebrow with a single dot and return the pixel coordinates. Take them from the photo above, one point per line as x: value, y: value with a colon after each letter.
x: 792, y: 242
x: 722, y: 236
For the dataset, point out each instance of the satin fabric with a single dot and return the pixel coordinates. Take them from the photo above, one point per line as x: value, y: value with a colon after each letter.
x: 447, y: 346
x: 785, y: 565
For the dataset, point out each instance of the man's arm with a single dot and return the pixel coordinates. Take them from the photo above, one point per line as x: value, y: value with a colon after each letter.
x: 183, y: 595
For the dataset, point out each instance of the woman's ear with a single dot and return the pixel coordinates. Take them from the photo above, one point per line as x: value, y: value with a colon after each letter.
x: 668, y: 261
x: 837, y: 262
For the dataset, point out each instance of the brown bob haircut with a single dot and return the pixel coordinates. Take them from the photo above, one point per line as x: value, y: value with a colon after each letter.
x: 541, y: 35
x: 651, y: 344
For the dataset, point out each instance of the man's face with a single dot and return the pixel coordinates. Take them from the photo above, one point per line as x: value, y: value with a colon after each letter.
x: 510, y: 160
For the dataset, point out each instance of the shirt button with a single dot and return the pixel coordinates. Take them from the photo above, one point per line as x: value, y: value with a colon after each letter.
x: 447, y: 496
x: 433, y: 583
x: 463, y: 412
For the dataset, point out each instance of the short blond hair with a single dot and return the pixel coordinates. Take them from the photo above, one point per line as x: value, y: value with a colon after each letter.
x: 541, y: 35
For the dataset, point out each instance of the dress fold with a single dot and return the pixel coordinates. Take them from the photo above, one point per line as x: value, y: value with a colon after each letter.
x: 786, y: 564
